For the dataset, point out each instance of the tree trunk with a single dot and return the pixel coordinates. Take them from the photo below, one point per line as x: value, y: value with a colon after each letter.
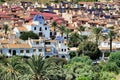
x: 97, y: 39
x: 67, y: 39
x: 110, y: 44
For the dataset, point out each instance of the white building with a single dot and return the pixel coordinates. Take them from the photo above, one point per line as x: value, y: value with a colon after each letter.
x: 37, y: 25
x: 45, y: 48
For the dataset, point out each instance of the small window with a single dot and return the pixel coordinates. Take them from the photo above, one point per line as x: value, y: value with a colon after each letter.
x: 47, y: 42
x: 65, y: 37
x: 34, y: 50
x: 55, y: 33
x: 62, y: 50
x: 21, y: 32
x: 45, y: 28
x: 40, y: 50
x: 63, y: 56
x: 37, y: 42
x: 65, y: 50
x: 34, y: 28
x: 27, y: 51
x: 51, y: 33
x: 10, y: 51
x: 21, y: 51
x: 40, y: 29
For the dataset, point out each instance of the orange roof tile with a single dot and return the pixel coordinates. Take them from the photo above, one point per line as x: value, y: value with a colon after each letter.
x: 16, y: 46
x: 22, y: 28
x: 107, y: 48
x: 5, y: 41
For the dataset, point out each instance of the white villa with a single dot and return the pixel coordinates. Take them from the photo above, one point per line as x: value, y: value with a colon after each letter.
x: 45, y: 48
x: 37, y: 25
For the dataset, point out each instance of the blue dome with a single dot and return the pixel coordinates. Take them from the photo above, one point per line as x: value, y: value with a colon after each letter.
x: 38, y: 17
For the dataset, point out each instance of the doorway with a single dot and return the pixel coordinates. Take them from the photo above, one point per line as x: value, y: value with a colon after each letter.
x: 14, y: 52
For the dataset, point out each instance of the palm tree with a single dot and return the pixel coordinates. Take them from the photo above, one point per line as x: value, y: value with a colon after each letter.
x: 67, y: 32
x: 97, y: 31
x: 74, y: 39
x: 5, y: 27
x: 111, y: 35
x: 36, y: 65
x: 62, y: 30
x: 81, y: 28
x: 12, y: 69
x: 54, y: 24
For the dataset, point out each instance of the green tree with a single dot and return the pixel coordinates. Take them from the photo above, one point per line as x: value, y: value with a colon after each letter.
x: 67, y: 32
x: 56, y: 60
x: 111, y: 67
x: 5, y: 27
x: 62, y: 29
x: 78, y: 69
x: 30, y: 34
x: 111, y: 35
x: 36, y: 66
x: 74, y: 39
x: 97, y: 31
x: 82, y: 59
x: 115, y: 57
x: 12, y: 69
x: 54, y: 24
x: 73, y: 54
x: 81, y: 28
x: 90, y: 49
x: 107, y: 76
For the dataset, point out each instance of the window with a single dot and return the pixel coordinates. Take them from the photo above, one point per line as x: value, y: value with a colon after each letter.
x: 40, y: 22
x: 34, y: 50
x: 21, y: 51
x: 62, y: 50
x: 34, y: 28
x: 63, y: 56
x: 40, y: 50
x: 47, y: 49
x: 10, y: 51
x: 37, y: 42
x: 21, y: 32
x: 40, y: 29
x: 50, y: 33
x: 65, y: 37
x: 55, y: 33
x: 65, y: 50
x: 27, y: 51
x: 40, y: 33
x: 47, y: 42
x: 45, y: 28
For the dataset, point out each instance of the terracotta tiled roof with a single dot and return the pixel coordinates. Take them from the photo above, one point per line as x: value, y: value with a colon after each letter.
x: 16, y: 46
x: 108, y: 48
x: 5, y: 41
x: 21, y: 28
x: 83, y: 19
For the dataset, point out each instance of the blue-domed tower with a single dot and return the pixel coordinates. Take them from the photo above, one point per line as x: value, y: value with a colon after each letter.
x: 39, y: 18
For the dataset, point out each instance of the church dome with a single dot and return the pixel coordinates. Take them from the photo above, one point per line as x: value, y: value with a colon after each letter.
x: 38, y: 17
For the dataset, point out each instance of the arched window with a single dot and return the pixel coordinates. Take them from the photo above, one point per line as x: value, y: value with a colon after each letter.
x: 47, y: 56
x: 63, y: 56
